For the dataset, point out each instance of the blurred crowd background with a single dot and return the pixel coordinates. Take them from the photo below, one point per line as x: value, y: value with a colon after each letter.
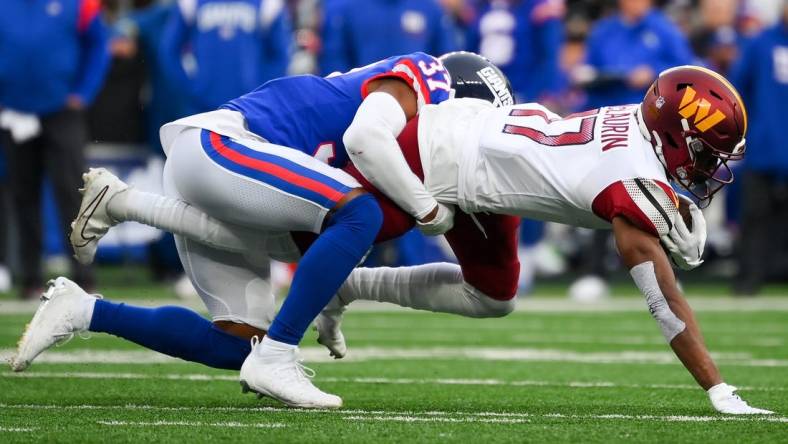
x: 89, y: 82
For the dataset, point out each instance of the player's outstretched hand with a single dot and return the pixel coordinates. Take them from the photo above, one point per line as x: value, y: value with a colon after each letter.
x: 725, y: 400
x: 441, y: 223
x: 685, y: 244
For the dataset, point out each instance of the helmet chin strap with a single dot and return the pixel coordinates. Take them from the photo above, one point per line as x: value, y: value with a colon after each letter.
x: 653, y: 137
x: 688, y: 138
x: 656, y: 143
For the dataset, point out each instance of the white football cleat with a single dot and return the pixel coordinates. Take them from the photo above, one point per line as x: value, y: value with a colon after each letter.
x: 274, y: 369
x: 94, y: 220
x: 65, y: 309
x: 725, y: 400
x: 329, y: 328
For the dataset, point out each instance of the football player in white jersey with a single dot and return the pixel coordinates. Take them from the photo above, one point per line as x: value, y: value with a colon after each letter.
x: 605, y: 168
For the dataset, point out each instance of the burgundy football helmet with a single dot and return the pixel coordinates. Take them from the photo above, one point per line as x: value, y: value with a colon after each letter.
x: 696, y: 122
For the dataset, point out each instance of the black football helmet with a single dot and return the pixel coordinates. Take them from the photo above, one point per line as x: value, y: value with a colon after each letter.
x: 474, y: 76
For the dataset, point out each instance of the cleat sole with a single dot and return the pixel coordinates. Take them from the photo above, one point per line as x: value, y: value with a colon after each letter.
x: 246, y: 389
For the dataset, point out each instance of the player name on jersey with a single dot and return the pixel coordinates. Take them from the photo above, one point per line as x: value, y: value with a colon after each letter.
x: 615, y: 126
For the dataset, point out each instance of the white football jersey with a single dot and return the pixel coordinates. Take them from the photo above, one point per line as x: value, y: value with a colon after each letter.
x: 524, y: 160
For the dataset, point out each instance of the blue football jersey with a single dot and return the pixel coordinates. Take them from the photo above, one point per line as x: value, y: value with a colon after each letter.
x: 311, y: 113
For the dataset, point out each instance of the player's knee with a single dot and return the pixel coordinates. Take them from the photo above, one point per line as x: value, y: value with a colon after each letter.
x: 489, y: 307
x: 498, y: 308
x: 362, y: 214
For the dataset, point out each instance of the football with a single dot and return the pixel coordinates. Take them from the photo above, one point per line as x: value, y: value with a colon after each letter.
x: 685, y: 212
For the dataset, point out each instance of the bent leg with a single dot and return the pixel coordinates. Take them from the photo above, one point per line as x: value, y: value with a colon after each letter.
x: 488, y: 258
x: 326, y: 265
x: 482, y: 285
x: 267, y: 187
x: 180, y: 218
x: 433, y: 287
x: 171, y: 213
x: 253, y: 184
x: 235, y: 290
x: 238, y: 298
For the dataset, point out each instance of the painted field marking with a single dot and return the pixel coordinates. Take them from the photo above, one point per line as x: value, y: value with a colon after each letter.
x: 384, y: 337
x: 271, y: 425
x: 360, y: 354
x: 633, y: 303
x: 17, y: 429
x: 411, y: 418
x: 458, y: 326
x: 373, y: 380
x: 372, y: 415
x: 579, y: 338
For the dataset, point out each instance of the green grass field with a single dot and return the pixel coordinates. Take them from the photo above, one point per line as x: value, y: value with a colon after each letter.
x: 546, y: 373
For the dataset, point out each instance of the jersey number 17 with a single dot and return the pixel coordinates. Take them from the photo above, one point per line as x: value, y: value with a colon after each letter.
x: 583, y: 135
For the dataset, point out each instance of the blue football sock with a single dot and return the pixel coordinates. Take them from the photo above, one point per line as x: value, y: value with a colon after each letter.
x: 325, y: 266
x: 174, y: 331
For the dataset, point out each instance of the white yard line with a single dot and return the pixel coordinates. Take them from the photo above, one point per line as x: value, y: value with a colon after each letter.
x: 361, y: 354
x: 271, y: 425
x: 374, y: 380
x: 526, y: 304
x: 458, y: 327
x: 384, y: 337
x: 733, y: 339
x: 409, y: 416
x: 96, y: 356
x: 16, y: 429
x: 637, y: 303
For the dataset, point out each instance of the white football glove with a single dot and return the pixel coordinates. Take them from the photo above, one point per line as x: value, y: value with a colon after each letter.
x: 441, y: 223
x: 684, y: 246
x: 725, y: 400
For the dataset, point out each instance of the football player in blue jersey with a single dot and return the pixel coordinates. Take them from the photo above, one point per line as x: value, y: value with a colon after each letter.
x: 255, y: 165
x: 511, y: 171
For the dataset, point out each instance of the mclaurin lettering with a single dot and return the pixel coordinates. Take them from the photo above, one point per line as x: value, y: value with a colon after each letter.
x: 615, y: 126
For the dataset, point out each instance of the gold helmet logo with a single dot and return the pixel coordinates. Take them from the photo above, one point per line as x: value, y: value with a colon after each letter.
x: 700, y: 109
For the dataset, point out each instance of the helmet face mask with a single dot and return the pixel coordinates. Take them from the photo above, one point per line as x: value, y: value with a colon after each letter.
x: 709, y: 170
x: 707, y: 177
x: 696, y: 123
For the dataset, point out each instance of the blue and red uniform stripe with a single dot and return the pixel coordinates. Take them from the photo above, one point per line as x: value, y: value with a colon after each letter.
x: 276, y: 171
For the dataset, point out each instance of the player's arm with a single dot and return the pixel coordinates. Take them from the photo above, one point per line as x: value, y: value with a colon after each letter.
x: 650, y: 269
x: 652, y: 273
x: 371, y: 143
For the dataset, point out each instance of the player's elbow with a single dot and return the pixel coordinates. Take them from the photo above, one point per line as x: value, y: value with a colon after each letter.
x: 378, y: 121
x: 634, y: 244
x: 356, y: 137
